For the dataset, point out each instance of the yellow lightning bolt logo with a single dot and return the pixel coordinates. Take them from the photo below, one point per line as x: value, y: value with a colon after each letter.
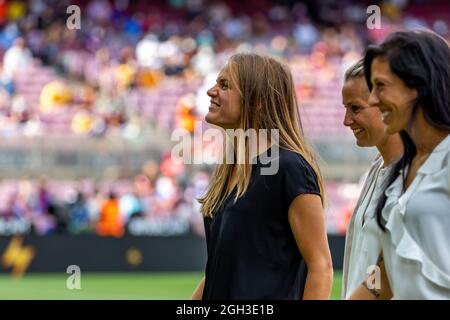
x: 17, y: 256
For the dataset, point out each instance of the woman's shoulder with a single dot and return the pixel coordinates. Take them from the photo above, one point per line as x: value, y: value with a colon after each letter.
x: 282, y: 161
x: 289, y: 158
x: 293, y: 163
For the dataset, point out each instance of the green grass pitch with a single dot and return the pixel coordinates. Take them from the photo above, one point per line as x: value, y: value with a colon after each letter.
x: 106, y: 286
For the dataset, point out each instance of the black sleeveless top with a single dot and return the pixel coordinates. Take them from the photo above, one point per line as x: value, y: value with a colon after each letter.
x: 252, y: 253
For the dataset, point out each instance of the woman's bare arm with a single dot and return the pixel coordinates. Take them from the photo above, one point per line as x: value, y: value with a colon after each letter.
x: 307, y: 221
x: 198, y: 292
x: 374, y: 287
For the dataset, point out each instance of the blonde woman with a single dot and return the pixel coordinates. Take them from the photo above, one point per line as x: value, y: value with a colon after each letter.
x: 266, y: 234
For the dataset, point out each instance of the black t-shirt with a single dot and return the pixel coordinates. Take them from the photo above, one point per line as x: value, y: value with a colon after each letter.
x: 252, y: 253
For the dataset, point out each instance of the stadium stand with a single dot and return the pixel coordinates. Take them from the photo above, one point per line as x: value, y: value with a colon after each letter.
x: 96, y: 99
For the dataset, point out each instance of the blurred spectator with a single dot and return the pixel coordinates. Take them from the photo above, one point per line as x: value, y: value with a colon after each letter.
x: 79, y: 215
x: 99, y: 10
x: 306, y: 35
x: 203, y: 61
x: 148, y: 78
x: 125, y: 72
x: 197, y: 187
x: 55, y: 95
x: 94, y: 203
x: 147, y: 52
x: 43, y: 223
x: 186, y: 115
x: 82, y: 122
x: 16, y: 58
x: 3, y: 9
x: 110, y: 222
x: 16, y: 10
x: 131, y: 206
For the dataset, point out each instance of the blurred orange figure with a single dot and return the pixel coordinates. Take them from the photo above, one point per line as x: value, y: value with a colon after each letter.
x: 110, y: 222
x: 148, y: 78
x: 186, y: 112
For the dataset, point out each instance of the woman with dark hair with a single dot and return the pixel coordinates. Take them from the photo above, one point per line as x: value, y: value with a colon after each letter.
x: 409, y: 79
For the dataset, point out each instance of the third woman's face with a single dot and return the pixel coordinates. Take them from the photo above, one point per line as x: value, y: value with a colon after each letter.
x: 390, y: 95
x: 225, y: 109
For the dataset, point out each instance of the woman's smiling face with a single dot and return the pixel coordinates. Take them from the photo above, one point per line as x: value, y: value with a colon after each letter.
x: 391, y: 96
x: 364, y: 120
x: 225, y: 108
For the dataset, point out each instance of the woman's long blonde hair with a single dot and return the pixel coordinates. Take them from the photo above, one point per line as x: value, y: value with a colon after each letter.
x: 268, y: 101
